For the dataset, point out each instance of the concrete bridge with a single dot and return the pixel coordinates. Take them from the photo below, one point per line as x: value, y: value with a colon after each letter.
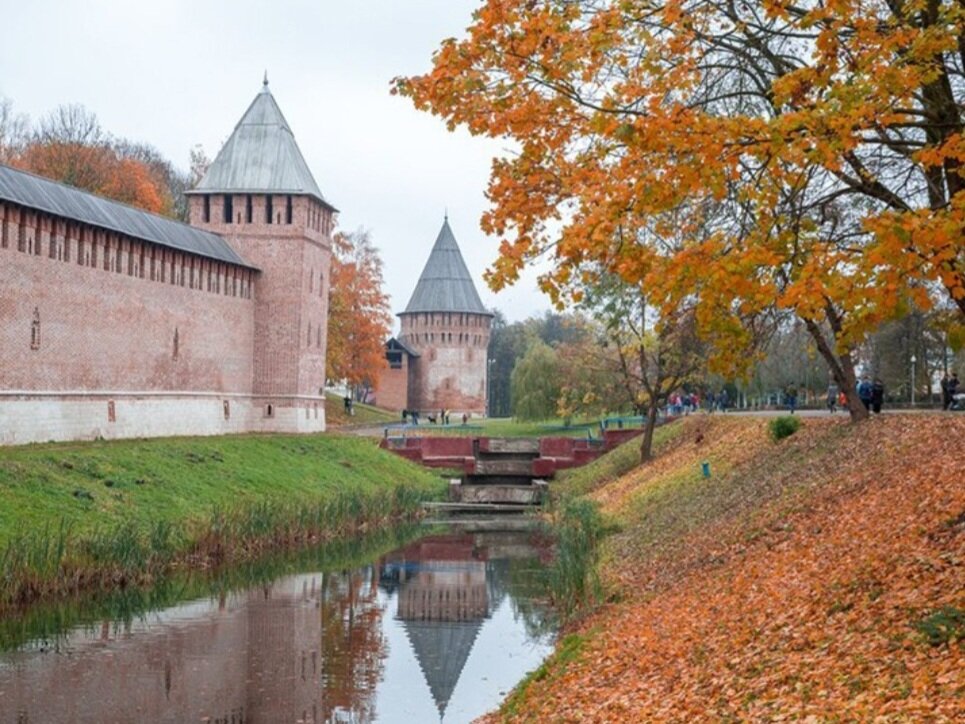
x: 510, y: 471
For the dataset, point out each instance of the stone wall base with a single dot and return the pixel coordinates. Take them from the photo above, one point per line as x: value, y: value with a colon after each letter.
x: 47, y: 417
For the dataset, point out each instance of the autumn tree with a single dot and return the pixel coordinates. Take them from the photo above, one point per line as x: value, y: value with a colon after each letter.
x: 655, y: 355
x: 359, y: 318
x: 827, y: 138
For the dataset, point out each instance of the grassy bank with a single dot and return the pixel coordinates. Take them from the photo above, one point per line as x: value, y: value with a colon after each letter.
x: 817, y: 576
x: 51, y: 620
x: 83, y: 515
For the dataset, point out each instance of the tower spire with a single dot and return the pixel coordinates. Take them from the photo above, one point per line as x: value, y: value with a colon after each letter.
x: 265, y: 81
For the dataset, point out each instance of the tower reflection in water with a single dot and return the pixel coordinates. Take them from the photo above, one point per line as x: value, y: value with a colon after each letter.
x: 309, y: 648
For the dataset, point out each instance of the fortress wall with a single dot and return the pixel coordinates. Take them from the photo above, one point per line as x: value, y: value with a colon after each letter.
x: 97, y: 330
x: 291, y: 306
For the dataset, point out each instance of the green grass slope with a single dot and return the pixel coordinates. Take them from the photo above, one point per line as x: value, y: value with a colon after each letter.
x: 68, y: 511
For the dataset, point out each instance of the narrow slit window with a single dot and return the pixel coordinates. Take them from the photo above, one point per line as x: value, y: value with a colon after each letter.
x: 229, y: 208
x: 248, y: 209
x: 269, y: 209
x: 207, y: 209
x: 288, y: 209
x: 35, y: 330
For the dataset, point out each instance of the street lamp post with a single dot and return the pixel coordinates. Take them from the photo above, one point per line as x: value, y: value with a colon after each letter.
x: 913, y: 360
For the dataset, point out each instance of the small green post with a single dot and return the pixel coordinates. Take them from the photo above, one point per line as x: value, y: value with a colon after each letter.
x: 705, y: 468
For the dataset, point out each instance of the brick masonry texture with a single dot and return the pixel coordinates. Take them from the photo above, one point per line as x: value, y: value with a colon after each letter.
x: 450, y: 371
x: 107, y: 336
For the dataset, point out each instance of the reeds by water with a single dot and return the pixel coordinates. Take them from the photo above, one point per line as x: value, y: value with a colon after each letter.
x: 57, y: 560
x: 572, y: 577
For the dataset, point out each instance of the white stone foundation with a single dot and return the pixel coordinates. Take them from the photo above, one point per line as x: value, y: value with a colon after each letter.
x: 46, y: 417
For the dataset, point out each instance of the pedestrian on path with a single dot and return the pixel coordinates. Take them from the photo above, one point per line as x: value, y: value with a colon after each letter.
x: 864, y: 392
x: 877, y: 395
x: 949, y: 390
x: 790, y: 398
x: 832, y: 398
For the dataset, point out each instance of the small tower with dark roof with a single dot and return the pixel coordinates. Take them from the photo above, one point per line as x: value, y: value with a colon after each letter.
x: 446, y: 328
x: 261, y: 197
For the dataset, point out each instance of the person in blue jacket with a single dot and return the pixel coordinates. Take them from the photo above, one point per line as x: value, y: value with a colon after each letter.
x: 865, y: 391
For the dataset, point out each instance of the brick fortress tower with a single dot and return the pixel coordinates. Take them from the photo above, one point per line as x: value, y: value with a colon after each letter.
x: 260, y: 196
x: 445, y: 335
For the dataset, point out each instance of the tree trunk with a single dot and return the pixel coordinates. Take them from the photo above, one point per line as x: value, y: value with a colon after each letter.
x: 646, y: 446
x: 842, y: 370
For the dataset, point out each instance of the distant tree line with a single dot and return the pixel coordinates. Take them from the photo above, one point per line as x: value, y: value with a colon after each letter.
x: 69, y: 145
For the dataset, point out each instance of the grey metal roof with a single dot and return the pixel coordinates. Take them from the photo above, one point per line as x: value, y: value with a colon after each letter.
x: 441, y: 649
x: 43, y: 194
x: 400, y: 344
x: 445, y: 284
x: 261, y: 156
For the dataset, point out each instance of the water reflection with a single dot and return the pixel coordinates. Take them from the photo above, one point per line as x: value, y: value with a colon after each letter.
x: 437, y: 630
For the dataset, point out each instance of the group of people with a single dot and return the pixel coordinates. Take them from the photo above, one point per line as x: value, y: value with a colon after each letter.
x: 683, y: 403
x: 442, y: 418
x: 871, y: 393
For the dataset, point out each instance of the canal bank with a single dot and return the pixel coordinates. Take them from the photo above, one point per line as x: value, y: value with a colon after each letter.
x: 107, y: 514
x: 815, y: 577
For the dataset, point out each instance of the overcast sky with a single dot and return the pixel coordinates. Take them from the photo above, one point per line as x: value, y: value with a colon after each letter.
x: 182, y: 72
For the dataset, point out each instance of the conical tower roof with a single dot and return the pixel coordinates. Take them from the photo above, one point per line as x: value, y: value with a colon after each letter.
x: 445, y: 284
x: 261, y: 156
x: 442, y: 648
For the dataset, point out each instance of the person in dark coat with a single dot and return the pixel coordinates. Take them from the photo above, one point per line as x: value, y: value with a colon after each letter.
x: 877, y: 395
x: 865, y: 392
x: 949, y: 390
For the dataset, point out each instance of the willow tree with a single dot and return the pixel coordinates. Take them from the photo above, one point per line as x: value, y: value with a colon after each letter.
x: 830, y: 135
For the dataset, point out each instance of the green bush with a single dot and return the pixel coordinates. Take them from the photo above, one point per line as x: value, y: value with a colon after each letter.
x: 944, y: 626
x: 783, y: 426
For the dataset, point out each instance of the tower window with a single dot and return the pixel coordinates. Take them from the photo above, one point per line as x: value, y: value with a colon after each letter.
x: 35, y: 330
x: 206, y: 215
x: 269, y: 411
x: 111, y: 412
x: 288, y: 209
x: 177, y: 344
x: 229, y: 208
x: 248, y: 209
x: 227, y: 409
x: 269, y: 210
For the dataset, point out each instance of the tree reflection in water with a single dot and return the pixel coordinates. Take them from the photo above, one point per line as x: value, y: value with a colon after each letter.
x: 271, y: 644
x: 353, y: 645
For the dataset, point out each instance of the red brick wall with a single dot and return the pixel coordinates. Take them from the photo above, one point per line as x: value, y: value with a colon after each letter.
x: 391, y: 389
x: 450, y: 372
x: 114, y: 329
x: 291, y: 300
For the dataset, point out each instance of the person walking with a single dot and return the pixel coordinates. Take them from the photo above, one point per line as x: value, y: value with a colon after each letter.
x: 832, y: 398
x: 877, y: 395
x: 864, y: 392
x: 952, y: 390
x: 790, y: 398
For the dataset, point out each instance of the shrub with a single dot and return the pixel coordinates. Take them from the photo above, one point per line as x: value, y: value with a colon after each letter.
x: 784, y: 426
x: 944, y: 626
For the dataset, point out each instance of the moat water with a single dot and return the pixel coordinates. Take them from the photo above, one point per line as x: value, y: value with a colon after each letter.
x: 441, y: 628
